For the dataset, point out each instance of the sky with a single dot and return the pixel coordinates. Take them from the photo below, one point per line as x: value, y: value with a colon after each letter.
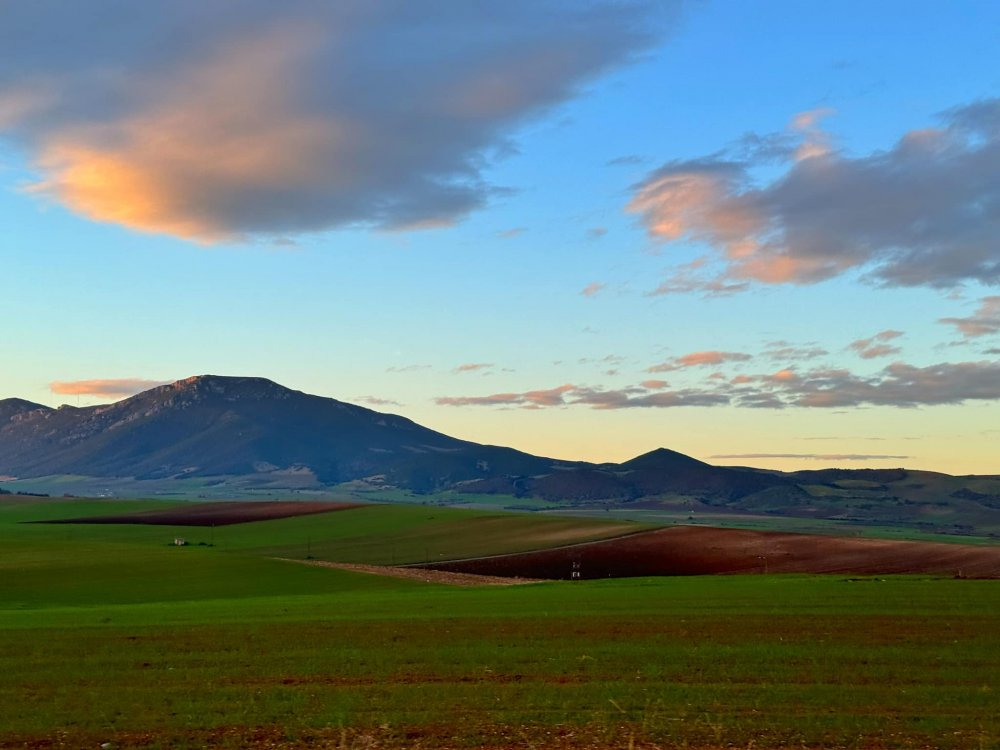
x: 760, y: 234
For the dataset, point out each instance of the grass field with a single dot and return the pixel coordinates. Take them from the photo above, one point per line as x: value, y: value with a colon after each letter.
x: 110, y: 635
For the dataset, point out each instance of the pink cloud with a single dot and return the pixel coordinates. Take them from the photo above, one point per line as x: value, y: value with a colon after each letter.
x: 699, y: 359
x: 106, y: 388
x: 985, y: 321
x: 593, y: 289
x: 549, y: 397
x: 218, y: 122
x: 877, y: 345
x: 918, y: 213
x: 654, y: 385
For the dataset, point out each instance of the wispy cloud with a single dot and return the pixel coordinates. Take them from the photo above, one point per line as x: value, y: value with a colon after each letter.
x: 699, y: 359
x: 539, y: 398
x: 593, y: 289
x: 815, y: 456
x: 648, y: 395
x: 897, y: 385
x: 114, y: 388
x: 214, y: 121
x: 785, y: 352
x: 407, y: 368
x: 376, y: 401
x: 474, y: 367
x: 627, y: 160
x: 877, y: 345
x: 920, y: 213
x: 985, y: 321
x: 508, y: 234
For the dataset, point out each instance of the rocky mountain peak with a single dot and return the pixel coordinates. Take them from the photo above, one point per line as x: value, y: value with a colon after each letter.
x: 230, y: 388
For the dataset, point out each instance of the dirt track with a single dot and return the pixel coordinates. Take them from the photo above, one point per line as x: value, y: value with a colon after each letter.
x: 695, y: 550
x: 420, y: 574
x: 217, y: 514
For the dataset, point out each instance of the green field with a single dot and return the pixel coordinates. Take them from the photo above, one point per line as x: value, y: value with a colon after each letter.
x: 108, y: 634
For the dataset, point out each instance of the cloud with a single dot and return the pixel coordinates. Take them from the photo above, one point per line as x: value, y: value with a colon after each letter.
x: 115, y: 388
x: 407, y: 368
x: 623, y: 161
x: 877, y: 345
x: 568, y: 395
x: 508, y: 234
x: 699, y: 359
x: 540, y: 398
x: 686, y: 283
x: 985, y: 321
x: 922, y: 213
x: 789, y: 353
x: 376, y: 401
x: 593, y: 289
x: 596, y: 233
x: 815, y: 456
x: 647, y: 395
x: 898, y: 385
x: 637, y: 398
x: 474, y: 367
x: 237, y: 118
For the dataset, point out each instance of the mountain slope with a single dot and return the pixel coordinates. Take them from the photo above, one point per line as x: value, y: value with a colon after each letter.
x: 253, y: 433
x: 213, y: 426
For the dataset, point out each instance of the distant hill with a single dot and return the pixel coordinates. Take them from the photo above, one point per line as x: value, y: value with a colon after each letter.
x: 247, y: 432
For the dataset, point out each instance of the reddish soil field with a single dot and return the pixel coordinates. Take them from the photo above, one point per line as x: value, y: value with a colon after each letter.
x: 217, y: 514
x: 697, y: 550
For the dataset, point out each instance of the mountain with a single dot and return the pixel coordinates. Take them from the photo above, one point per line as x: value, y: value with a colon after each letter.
x: 16, y: 408
x: 246, y: 432
x: 211, y: 426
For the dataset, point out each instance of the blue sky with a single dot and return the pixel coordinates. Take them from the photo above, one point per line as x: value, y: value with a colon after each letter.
x: 403, y: 208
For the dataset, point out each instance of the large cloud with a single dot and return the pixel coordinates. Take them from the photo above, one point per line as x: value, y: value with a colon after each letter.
x: 925, y: 212
x: 217, y: 119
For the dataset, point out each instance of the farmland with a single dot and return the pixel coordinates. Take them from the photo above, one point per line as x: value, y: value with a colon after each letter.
x: 112, y: 635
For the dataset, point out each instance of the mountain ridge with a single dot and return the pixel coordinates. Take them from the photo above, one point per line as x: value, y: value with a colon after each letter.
x: 217, y: 428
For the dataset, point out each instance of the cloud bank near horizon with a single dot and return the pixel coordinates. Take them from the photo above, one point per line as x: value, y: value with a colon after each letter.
x: 232, y: 119
x: 898, y: 384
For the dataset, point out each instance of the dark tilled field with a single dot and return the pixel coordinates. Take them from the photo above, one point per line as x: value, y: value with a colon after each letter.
x: 693, y: 550
x: 215, y: 514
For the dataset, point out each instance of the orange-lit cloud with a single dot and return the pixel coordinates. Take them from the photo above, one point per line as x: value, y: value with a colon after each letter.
x: 699, y: 359
x: 114, y: 388
x: 654, y: 385
x: 528, y: 399
x: 190, y: 119
x: 984, y: 322
x: 915, y: 214
x: 593, y: 289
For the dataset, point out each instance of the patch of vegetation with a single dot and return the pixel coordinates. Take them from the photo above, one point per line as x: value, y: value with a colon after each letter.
x: 111, y: 635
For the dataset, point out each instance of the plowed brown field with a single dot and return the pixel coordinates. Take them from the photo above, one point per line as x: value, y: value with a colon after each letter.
x: 696, y: 550
x: 216, y: 514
